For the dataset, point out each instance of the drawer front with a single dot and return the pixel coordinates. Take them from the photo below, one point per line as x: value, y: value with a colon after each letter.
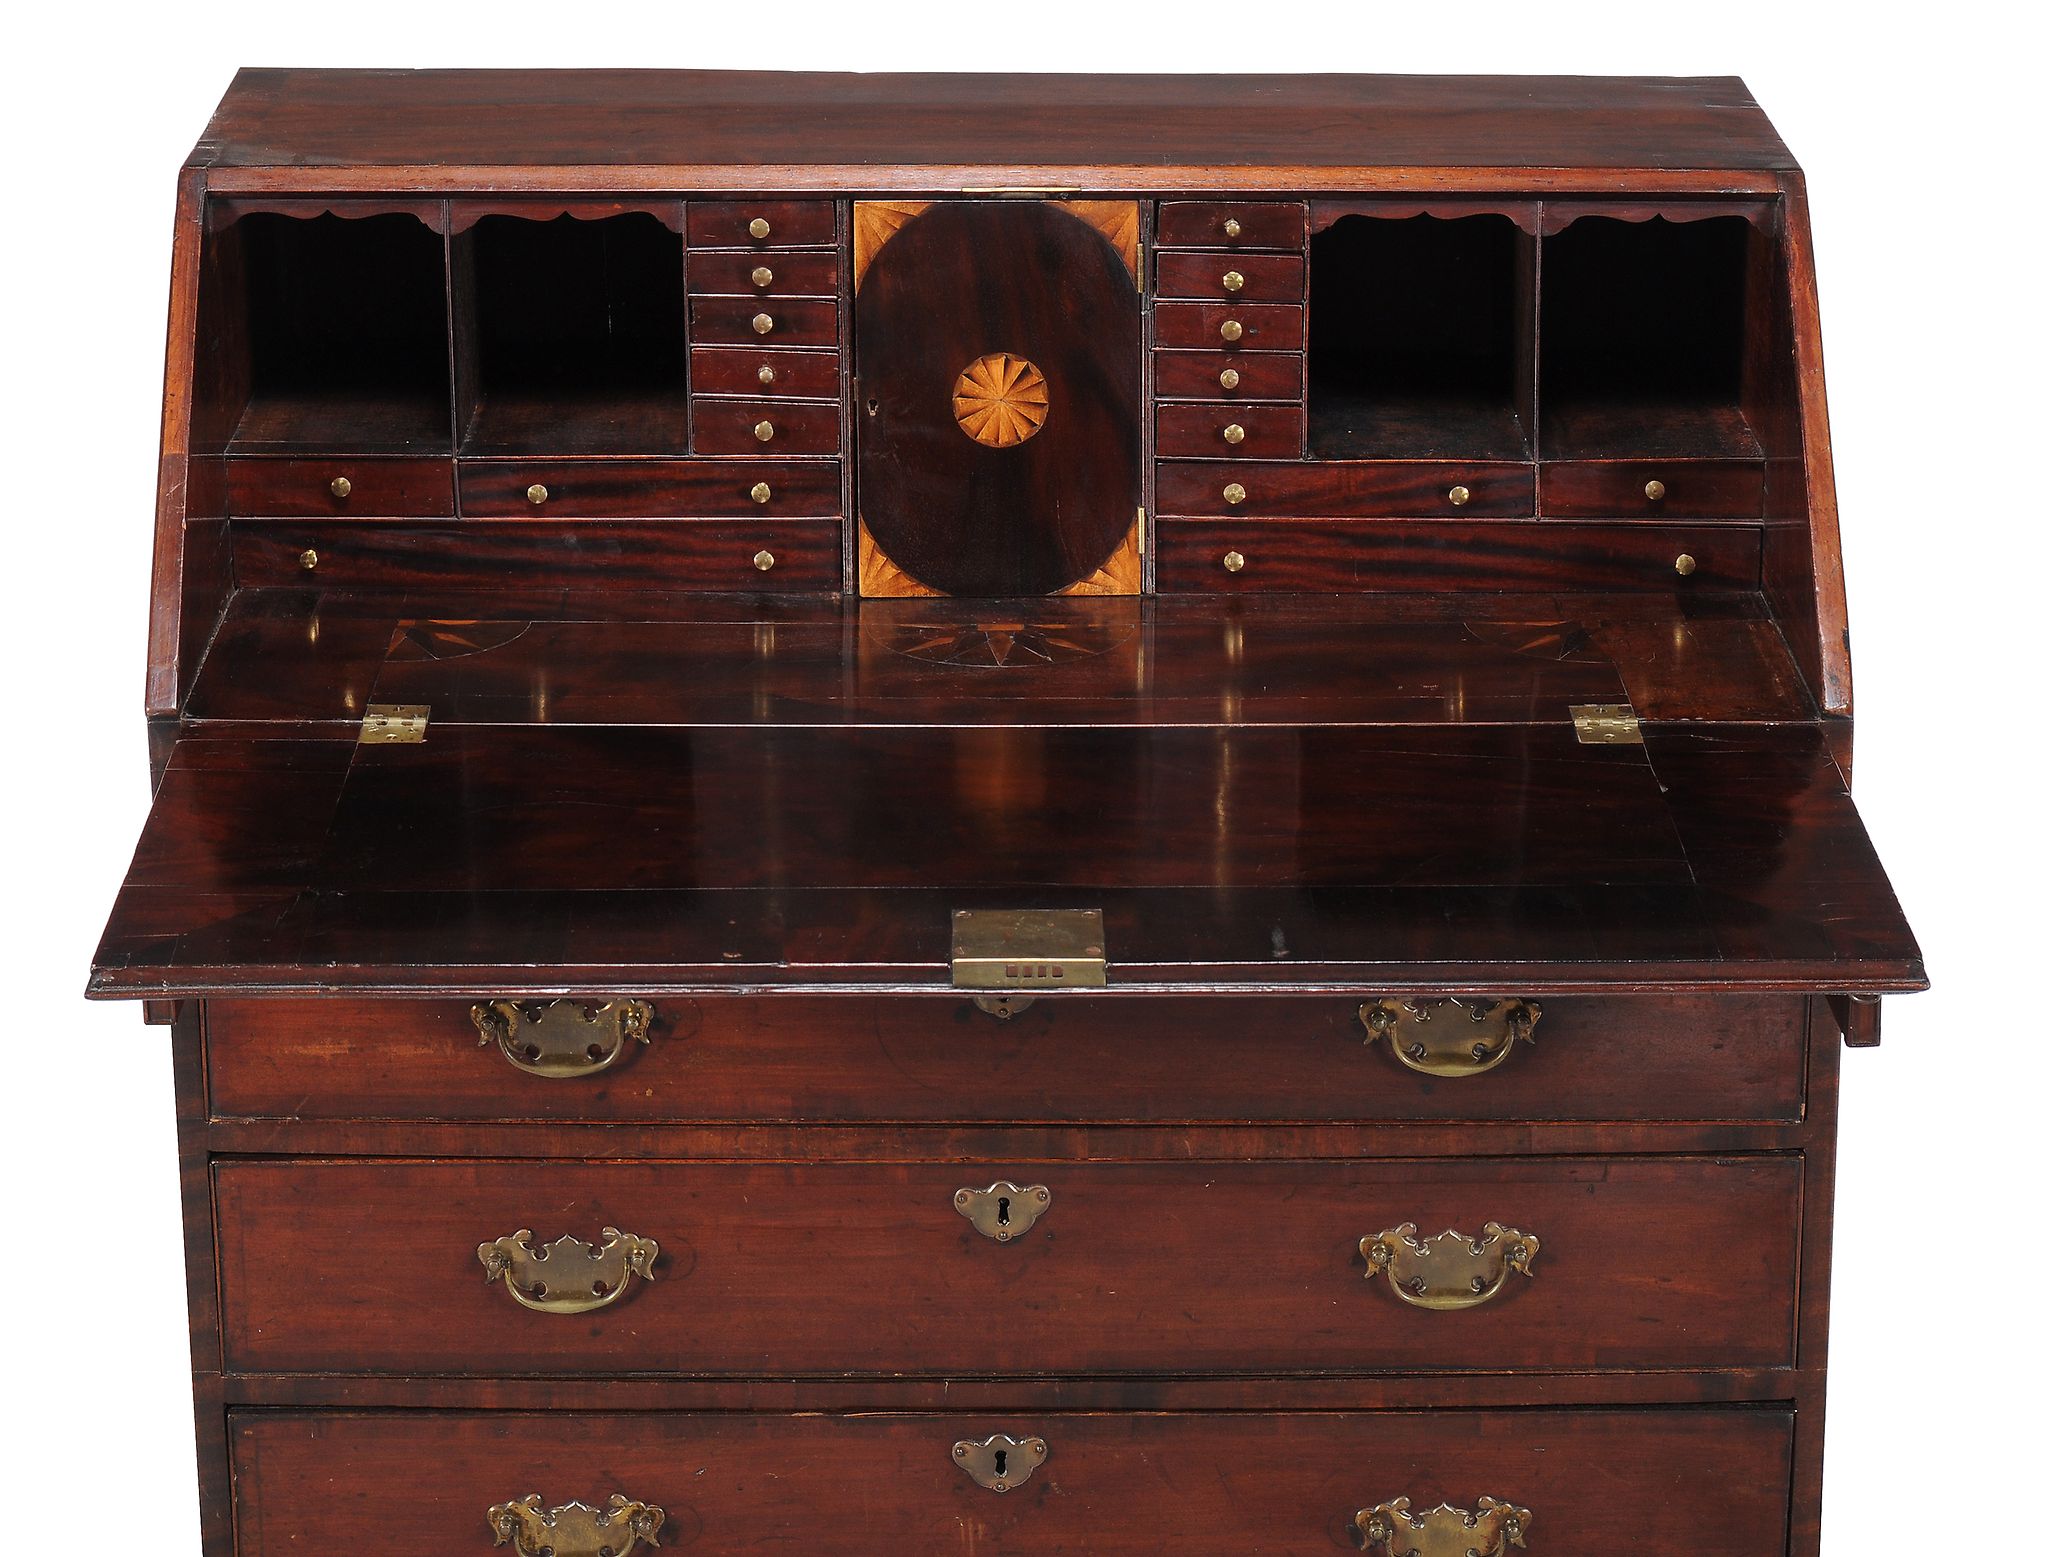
x: 1270, y: 432
x: 1654, y: 489
x: 740, y: 370
x: 1259, y: 278
x: 783, y: 224
x: 1257, y: 326
x: 338, y: 488
x: 655, y: 489
x: 765, y: 275
x: 759, y: 426
x: 754, y: 321
x: 1232, y: 224
x: 863, y: 1060
x: 1206, y: 375
x: 1706, y: 1481
x: 1211, y: 1267
x: 1419, y: 489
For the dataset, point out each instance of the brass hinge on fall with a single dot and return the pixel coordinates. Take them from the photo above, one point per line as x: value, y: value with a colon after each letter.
x: 393, y: 724
x: 1028, y: 948
x: 1606, y: 724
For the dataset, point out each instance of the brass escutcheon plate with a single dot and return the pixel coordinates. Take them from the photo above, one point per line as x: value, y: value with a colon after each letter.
x: 1000, y: 1462
x: 1003, y: 1210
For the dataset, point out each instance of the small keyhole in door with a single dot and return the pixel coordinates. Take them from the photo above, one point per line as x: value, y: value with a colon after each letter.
x: 874, y: 408
x: 1002, y: 1462
x: 1002, y: 1210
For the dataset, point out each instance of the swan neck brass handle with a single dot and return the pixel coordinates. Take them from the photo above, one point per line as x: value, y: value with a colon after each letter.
x: 1451, y: 1270
x: 1454, y: 1036
x: 568, y: 1276
x: 575, y: 1529
x: 562, y: 1038
x: 1394, y: 1530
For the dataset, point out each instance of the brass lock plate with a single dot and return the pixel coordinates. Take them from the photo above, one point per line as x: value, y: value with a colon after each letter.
x: 1028, y: 948
x: 999, y: 1462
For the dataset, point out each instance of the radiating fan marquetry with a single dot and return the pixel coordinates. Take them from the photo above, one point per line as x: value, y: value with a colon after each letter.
x: 1000, y: 400
x: 875, y: 222
x: 1116, y: 220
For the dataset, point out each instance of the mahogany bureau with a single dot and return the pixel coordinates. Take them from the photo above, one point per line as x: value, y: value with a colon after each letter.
x: 998, y: 815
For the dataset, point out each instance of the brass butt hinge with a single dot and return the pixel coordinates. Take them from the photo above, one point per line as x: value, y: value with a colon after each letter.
x: 1028, y: 948
x: 1606, y: 724
x: 393, y: 724
x: 1141, y: 532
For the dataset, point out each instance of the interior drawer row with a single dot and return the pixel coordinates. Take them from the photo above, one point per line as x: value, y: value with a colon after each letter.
x: 366, y: 488
x: 1234, y: 483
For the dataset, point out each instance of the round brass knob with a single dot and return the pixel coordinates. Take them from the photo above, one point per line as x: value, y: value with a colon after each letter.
x: 763, y: 431
x: 1459, y: 496
x: 765, y: 373
x: 1228, y: 378
x: 1233, y: 434
x: 1233, y: 562
x: 341, y: 486
x: 763, y: 323
x: 536, y: 494
x: 1232, y: 227
x: 764, y: 560
x: 309, y: 559
x: 1686, y: 564
x: 758, y: 227
x: 1653, y: 489
x: 1233, y: 494
x: 759, y: 492
x: 1232, y: 330
x: 761, y: 276
x: 1233, y: 281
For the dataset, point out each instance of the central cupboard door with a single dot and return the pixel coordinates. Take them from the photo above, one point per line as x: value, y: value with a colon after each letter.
x: 998, y: 346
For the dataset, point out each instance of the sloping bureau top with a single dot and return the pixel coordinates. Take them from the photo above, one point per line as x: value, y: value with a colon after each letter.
x: 827, y: 133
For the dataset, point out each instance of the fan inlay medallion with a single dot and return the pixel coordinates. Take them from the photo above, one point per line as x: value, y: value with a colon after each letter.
x: 1000, y: 400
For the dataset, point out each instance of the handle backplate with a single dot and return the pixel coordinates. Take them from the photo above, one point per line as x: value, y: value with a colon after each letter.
x: 1452, y: 1036
x: 562, y: 1038
x: 575, y: 1529
x: 1444, y: 1531
x: 568, y: 1276
x: 1451, y: 1270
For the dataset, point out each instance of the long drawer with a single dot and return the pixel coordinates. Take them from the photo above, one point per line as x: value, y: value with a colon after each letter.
x: 850, y: 1060
x: 1007, y: 1268
x: 1708, y: 1482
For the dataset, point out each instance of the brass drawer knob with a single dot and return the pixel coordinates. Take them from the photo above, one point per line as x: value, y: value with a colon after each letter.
x: 574, y: 1529
x: 1232, y: 227
x: 1397, y: 1532
x: 1233, y: 281
x: 1004, y: 1210
x: 309, y: 559
x: 1229, y: 378
x: 999, y: 1462
x: 341, y: 486
x: 1686, y: 565
x: 1233, y: 562
x: 1232, y: 330
x: 1452, y: 1270
x: 562, y: 1038
x: 568, y: 1276
x: 1233, y: 494
x: 1451, y: 1036
x: 763, y: 431
x: 764, y: 560
x: 536, y: 494
x: 765, y: 373
x: 762, y: 276
x: 763, y: 323
x: 759, y: 492
x: 1654, y: 490
x: 1234, y: 433
x: 1459, y: 496
x: 758, y: 228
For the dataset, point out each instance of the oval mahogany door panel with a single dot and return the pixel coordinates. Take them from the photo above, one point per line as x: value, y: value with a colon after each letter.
x: 774, y: 1269
x: 998, y: 352
x: 1705, y: 1481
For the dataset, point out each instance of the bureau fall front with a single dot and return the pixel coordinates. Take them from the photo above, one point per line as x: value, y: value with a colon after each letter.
x: 995, y: 815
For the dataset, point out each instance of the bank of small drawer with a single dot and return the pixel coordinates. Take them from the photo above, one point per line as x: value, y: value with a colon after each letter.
x: 1232, y: 224
x: 1654, y: 489
x: 1250, y: 278
x: 732, y: 273
x: 770, y: 372
x: 1706, y: 1481
x: 755, y: 321
x: 1206, y: 375
x: 654, y: 489
x: 338, y: 488
x: 1258, y: 326
x: 1404, y: 489
x: 1247, y: 432
x: 1632, y: 1262
x: 761, y: 426
x: 761, y: 224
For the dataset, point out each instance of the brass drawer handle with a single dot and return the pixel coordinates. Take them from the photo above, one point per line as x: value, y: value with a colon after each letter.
x: 341, y: 486
x: 1003, y: 1210
x: 758, y: 228
x: 1452, y: 1270
x: 1234, y: 433
x: 762, y: 276
x: 536, y: 494
x: 1229, y: 378
x: 563, y: 1037
x: 764, y: 431
x: 1231, y: 330
x: 999, y: 1462
x: 568, y: 1276
x: 1654, y: 490
x: 1232, y: 227
x: 1453, y: 1036
x: 1233, y: 281
x: 763, y: 323
x: 574, y: 1529
x: 1444, y: 1531
x: 1233, y: 493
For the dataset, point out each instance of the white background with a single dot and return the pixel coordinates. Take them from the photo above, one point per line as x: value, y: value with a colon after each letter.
x: 1922, y: 150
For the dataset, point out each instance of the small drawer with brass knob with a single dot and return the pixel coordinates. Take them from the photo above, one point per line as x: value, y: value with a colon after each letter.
x: 740, y: 487
x: 1391, y: 489
x: 1239, y: 431
x: 1232, y: 224
x: 754, y: 426
x: 807, y: 374
x: 714, y: 273
x: 1204, y: 375
x: 1252, y: 278
x: 1654, y: 489
x: 752, y: 320
x: 761, y: 224
x: 257, y: 487
x: 1232, y: 326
